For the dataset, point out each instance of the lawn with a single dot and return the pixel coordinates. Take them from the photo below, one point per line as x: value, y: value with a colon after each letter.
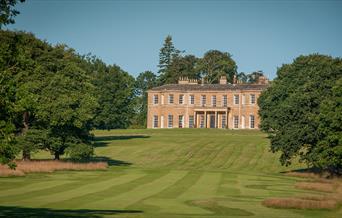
x: 176, y: 173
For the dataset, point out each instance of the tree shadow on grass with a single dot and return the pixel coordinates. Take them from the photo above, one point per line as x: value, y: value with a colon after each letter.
x: 14, y: 211
x: 111, y: 162
x: 102, y: 141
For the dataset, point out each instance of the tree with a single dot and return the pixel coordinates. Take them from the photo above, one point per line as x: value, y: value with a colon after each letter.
x: 301, y: 112
x: 183, y: 66
x: 145, y: 81
x: 167, y: 53
x: 7, y: 12
x: 215, y: 64
x: 254, y: 76
x: 115, y: 92
x: 48, y: 98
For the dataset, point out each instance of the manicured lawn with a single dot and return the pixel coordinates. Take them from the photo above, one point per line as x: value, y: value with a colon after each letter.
x: 164, y: 173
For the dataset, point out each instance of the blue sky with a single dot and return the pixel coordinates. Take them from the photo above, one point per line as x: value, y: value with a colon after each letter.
x: 261, y: 35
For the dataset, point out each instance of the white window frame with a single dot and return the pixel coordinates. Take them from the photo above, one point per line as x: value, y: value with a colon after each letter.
x: 251, y: 121
x: 236, y: 122
x: 192, y: 99
x: 155, y: 99
x: 202, y: 119
x: 224, y: 101
x: 213, y: 100
x: 155, y: 121
x: 191, y: 121
x: 181, y: 99
x: 181, y: 121
x: 236, y: 99
x: 252, y: 100
x: 203, y: 100
x: 170, y: 121
x: 171, y: 99
x: 223, y: 121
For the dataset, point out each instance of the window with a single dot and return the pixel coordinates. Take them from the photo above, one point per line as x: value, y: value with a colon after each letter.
x: 252, y: 98
x: 236, y: 122
x: 191, y: 121
x: 170, y: 121
x: 224, y: 101
x: 203, y: 100
x: 213, y: 100
x: 201, y: 121
x: 192, y: 99
x: 180, y: 121
x: 181, y: 99
x: 236, y: 99
x: 170, y: 98
x: 251, y: 121
x: 224, y: 121
x: 155, y: 99
x: 155, y: 121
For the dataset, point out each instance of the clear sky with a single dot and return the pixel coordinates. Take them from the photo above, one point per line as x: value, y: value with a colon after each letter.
x: 261, y: 35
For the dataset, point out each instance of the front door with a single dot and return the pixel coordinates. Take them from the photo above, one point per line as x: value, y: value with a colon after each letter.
x: 212, y: 121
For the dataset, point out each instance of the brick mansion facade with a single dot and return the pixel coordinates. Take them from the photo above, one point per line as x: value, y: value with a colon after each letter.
x: 192, y: 105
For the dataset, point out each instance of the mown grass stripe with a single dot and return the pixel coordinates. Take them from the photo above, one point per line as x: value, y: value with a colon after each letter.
x: 32, y: 187
x: 204, y: 188
x: 139, y: 193
x: 93, y: 187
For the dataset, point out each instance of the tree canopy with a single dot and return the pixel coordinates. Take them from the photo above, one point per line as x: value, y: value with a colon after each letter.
x: 7, y: 11
x: 302, y: 112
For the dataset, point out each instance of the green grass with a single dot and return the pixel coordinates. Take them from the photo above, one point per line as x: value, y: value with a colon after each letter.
x: 176, y: 173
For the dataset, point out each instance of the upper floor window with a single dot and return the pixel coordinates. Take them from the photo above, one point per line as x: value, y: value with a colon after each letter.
x: 181, y: 99
x: 213, y: 100
x: 224, y: 101
x: 192, y: 99
x: 252, y: 98
x: 203, y: 100
x: 236, y: 99
x: 170, y: 98
x: 155, y: 99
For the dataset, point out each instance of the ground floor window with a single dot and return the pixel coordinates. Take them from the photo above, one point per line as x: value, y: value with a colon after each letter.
x: 224, y: 121
x: 170, y: 121
x: 201, y: 121
x: 155, y: 121
x: 191, y: 121
x: 180, y: 121
x: 251, y: 121
x: 236, y: 122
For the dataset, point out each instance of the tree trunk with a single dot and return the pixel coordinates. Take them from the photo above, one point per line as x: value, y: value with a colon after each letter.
x: 26, y: 151
x: 56, y: 156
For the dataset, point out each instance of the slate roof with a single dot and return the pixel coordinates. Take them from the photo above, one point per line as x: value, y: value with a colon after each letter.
x: 208, y: 87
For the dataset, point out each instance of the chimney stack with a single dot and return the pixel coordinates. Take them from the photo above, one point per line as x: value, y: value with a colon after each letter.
x: 223, y: 80
x: 234, y: 79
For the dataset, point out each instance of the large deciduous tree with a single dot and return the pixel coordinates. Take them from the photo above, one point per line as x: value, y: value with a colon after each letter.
x: 215, y: 64
x: 302, y: 112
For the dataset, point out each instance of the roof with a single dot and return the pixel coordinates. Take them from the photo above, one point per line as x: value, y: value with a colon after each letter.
x: 209, y: 87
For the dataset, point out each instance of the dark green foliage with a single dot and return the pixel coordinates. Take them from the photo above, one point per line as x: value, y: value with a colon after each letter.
x: 7, y: 12
x: 145, y: 81
x: 183, y: 66
x: 115, y: 93
x: 249, y: 78
x: 167, y: 53
x: 215, y: 64
x: 302, y: 112
x: 48, y: 97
